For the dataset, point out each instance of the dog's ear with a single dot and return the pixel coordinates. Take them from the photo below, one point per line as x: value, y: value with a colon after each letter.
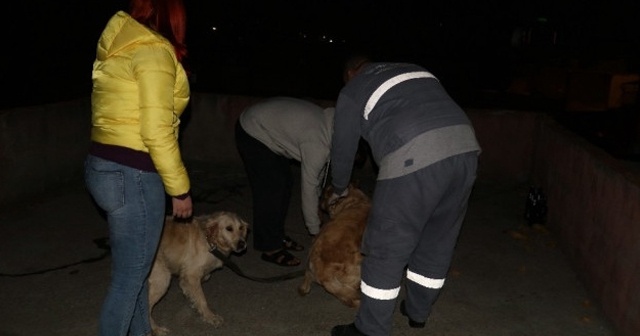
x: 331, y: 209
x: 211, y: 228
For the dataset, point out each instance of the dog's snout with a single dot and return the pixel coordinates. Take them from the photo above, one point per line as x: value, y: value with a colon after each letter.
x: 241, y: 246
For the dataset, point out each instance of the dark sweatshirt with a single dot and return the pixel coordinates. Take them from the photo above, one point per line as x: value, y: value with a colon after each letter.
x: 404, y: 114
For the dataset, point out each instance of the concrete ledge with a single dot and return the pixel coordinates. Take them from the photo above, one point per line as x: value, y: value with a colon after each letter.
x: 594, y: 206
x: 507, y: 141
x: 42, y: 148
x: 209, y: 128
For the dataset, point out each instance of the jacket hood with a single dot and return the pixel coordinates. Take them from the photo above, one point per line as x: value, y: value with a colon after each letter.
x: 121, y: 32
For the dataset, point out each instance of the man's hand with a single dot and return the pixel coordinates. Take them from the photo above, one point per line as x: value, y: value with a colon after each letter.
x: 182, y: 208
x: 335, y: 197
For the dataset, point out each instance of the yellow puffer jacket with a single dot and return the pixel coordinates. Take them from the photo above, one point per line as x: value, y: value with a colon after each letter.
x: 139, y: 92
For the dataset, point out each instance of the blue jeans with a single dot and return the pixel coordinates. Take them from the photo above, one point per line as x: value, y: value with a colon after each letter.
x: 134, y: 203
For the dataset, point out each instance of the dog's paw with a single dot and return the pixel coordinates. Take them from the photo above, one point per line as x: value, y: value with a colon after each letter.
x: 353, y: 303
x: 304, y: 288
x: 160, y: 331
x: 214, y: 320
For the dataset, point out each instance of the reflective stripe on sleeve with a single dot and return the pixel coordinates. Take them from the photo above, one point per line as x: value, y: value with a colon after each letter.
x: 377, y: 293
x: 424, y: 281
x: 391, y: 82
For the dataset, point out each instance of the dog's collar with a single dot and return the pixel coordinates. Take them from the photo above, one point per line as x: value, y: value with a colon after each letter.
x: 218, y: 254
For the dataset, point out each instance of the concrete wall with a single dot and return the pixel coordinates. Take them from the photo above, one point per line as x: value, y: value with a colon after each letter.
x: 42, y: 148
x: 208, y: 130
x: 594, y: 207
x: 594, y: 200
x: 507, y: 141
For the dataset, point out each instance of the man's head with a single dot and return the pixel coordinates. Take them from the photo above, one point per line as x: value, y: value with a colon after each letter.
x: 353, y: 65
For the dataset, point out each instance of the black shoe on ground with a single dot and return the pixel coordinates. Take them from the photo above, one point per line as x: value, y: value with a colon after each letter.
x: 346, y: 330
x: 412, y: 323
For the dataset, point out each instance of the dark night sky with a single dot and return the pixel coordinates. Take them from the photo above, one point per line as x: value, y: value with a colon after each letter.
x: 258, y: 47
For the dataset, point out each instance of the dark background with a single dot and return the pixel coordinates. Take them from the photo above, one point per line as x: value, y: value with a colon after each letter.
x: 297, y: 47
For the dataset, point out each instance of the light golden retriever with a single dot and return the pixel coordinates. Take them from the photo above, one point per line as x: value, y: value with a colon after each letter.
x: 334, y: 257
x: 185, y: 251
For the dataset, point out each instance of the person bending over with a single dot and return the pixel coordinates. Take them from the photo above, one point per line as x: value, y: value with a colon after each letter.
x: 270, y: 135
x: 426, y: 151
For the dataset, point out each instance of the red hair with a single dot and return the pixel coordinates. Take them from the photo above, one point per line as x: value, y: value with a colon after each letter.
x: 167, y: 17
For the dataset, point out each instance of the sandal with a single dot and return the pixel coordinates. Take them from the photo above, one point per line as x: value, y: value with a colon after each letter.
x: 282, y: 258
x: 291, y: 245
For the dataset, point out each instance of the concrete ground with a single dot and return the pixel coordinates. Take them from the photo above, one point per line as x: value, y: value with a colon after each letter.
x: 506, y: 279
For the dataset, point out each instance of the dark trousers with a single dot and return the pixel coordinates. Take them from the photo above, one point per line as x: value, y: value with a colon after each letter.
x: 414, y: 224
x: 271, y: 181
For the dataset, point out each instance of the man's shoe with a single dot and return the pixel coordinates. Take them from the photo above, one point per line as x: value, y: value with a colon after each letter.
x: 412, y: 323
x: 346, y: 330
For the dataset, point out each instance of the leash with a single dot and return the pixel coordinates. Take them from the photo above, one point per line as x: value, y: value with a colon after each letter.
x: 325, y: 174
x: 227, y: 262
x: 102, y: 243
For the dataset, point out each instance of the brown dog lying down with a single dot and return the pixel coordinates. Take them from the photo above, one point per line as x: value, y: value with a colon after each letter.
x: 184, y: 251
x: 334, y: 256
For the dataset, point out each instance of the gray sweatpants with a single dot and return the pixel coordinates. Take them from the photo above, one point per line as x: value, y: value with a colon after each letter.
x: 412, y: 230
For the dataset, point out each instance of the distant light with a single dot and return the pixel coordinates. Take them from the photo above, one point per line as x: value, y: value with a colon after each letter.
x: 214, y: 28
x: 542, y: 19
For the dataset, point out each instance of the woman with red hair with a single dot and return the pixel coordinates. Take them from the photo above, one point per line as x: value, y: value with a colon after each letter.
x: 140, y: 89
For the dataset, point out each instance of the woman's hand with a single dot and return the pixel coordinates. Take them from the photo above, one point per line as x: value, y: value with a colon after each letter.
x: 182, y: 208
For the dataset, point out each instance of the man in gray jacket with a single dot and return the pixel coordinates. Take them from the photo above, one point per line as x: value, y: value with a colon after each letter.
x: 426, y: 150
x: 269, y: 135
